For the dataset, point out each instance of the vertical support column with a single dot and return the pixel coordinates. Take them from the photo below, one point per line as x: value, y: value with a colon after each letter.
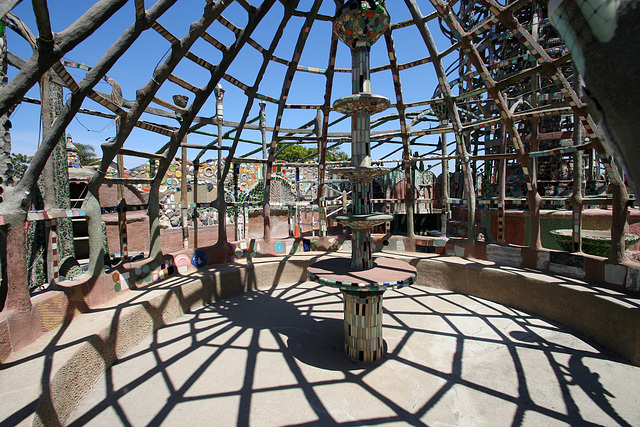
x: 360, y: 144
x: 361, y: 155
x: 221, y: 204
x: 290, y: 218
x: 360, y: 122
x: 6, y: 168
x: 577, y: 229
x: 363, y: 325
x: 321, y: 193
x: 361, y: 249
x: 344, y: 210
x: 122, y: 211
x: 298, y: 219
x: 619, y: 214
x: 266, y: 209
x: 155, y: 241
x: 361, y: 203
x: 196, y: 215
x: 445, y: 185
x: 535, y: 200
x: 245, y: 213
x: 360, y: 68
x: 42, y: 265
x: 410, y: 192
x: 322, y: 225
x: 263, y: 131
x: 117, y: 98
x: 387, y: 210
x: 361, y: 239
x: 124, y: 244
x: 322, y: 216
x: 238, y: 207
x: 18, y: 298
x: 387, y: 195
x: 502, y: 185
x: 55, y: 184
x: 578, y: 172
x: 184, y: 201
x: 54, y: 249
x: 578, y: 188
x: 93, y: 211
x: 469, y: 186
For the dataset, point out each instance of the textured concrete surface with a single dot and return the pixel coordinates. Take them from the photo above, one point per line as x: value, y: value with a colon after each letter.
x: 274, y: 357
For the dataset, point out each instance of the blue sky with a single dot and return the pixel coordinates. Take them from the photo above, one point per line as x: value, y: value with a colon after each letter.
x: 135, y: 69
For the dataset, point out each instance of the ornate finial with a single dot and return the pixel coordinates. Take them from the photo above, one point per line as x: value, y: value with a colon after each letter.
x: 359, y: 21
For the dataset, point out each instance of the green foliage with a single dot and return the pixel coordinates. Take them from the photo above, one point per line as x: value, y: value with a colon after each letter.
x: 86, y: 154
x: 296, y: 153
x: 20, y: 164
x: 335, y: 154
x: 292, y: 153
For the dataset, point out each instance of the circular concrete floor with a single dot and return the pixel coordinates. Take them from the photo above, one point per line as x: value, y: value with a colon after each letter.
x: 273, y: 358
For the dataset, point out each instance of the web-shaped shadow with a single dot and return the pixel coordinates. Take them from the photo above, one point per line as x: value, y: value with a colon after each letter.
x: 275, y: 358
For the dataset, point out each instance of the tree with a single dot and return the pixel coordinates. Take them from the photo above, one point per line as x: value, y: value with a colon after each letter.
x: 293, y: 153
x: 20, y: 164
x: 335, y: 154
x: 297, y: 153
x: 86, y: 154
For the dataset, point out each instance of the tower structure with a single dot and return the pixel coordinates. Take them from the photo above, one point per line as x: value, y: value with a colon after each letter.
x: 359, y: 24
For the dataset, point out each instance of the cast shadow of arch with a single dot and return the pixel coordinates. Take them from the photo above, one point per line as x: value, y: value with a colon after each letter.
x: 577, y: 373
x: 315, y: 341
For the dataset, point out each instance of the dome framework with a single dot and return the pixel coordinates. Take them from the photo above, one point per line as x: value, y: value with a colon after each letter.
x: 510, y: 96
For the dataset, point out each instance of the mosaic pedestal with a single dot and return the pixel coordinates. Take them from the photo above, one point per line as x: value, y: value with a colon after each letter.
x: 363, y: 325
x: 362, y: 291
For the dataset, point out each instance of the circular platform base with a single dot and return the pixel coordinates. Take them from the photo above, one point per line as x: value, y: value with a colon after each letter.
x: 362, y: 221
x: 387, y: 273
x: 361, y: 103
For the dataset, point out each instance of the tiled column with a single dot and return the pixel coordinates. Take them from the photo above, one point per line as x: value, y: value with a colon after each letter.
x: 363, y: 325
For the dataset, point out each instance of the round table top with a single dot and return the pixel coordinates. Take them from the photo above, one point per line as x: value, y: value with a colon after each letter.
x: 362, y: 221
x: 387, y: 273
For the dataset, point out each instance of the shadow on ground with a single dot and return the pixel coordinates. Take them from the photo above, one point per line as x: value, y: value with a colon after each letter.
x: 275, y: 358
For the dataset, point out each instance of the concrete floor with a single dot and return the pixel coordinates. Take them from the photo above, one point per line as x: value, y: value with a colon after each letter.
x: 273, y: 358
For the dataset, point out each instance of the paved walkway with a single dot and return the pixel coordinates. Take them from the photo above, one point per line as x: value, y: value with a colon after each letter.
x: 273, y: 358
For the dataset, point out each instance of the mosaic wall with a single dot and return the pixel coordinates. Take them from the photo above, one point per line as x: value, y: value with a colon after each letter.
x: 245, y: 184
x: 142, y: 275
x: 187, y: 263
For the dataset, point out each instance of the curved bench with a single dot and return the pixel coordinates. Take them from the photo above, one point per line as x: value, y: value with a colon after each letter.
x: 71, y: 358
